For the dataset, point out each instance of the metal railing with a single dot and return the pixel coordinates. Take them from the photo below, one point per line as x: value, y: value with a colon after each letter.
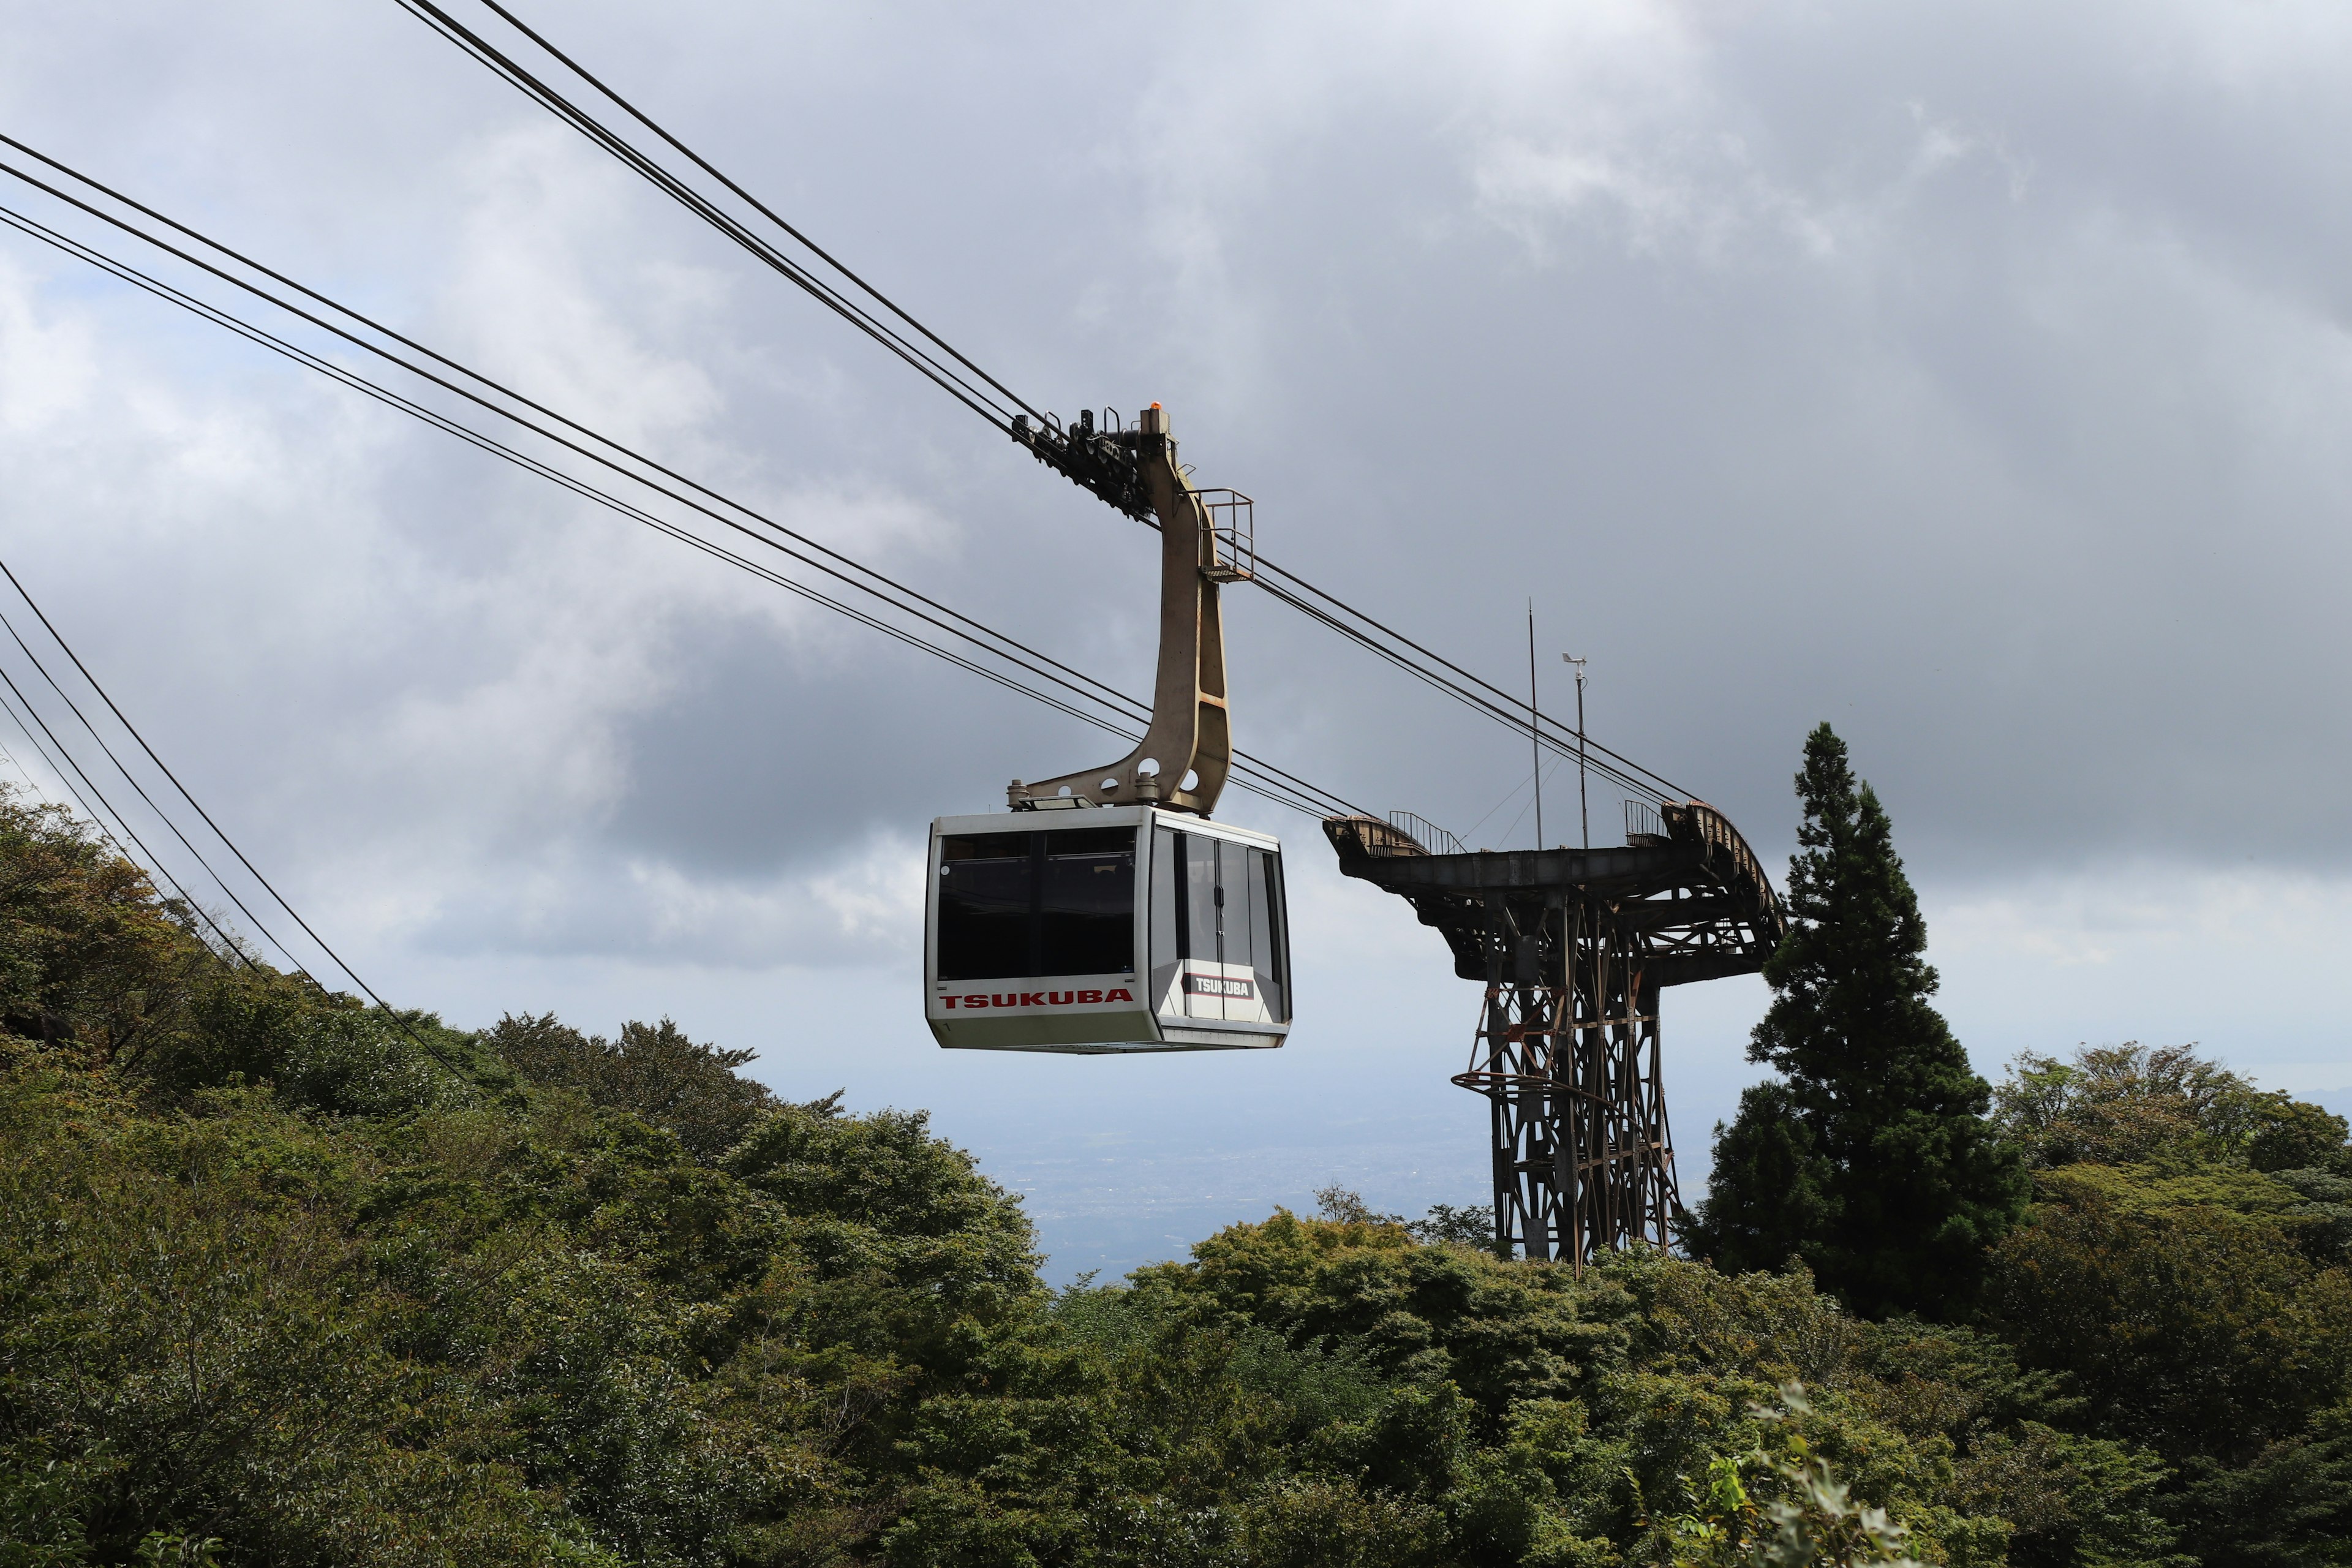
x: 1232, y: 535
x: 1735, y: 862
x: 1426, y: 832
x: 1642, y: 821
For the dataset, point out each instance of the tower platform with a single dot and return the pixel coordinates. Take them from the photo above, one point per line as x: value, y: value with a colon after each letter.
x: 1574, y: 946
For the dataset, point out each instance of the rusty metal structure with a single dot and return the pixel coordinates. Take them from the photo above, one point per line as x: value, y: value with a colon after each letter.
x: 1574, y: 947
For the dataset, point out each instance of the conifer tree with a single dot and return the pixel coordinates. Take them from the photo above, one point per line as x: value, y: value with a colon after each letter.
x: 1871, y: 1159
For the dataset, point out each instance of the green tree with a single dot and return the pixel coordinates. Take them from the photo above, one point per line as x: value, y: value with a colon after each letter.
x: 286, y: 1280
x: 2118, y: 1105
x: 1871, y: 1159
x: 1781, y: 1506
x: 653, y: 1070
x: 91, y: 957
x: 2185, y: 1324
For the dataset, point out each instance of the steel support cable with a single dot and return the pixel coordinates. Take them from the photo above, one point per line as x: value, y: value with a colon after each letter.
x: 24, y: 727
x: 140, y: 790
x: 1271, y: 785
x: 1041, y: 663
x: 456, y: 367
x: 155, y: 863
x: 1260, y: 779
x: 439, y: 421
x: 31, y: 782
x: 607, y: 138
x: 1563, y: 733
x: 22, y: 771
x: 120, y: 827
x: 955, y: 385
x: 1559, y: 747
x: 1565, y: 748
x: 759, y: 207
x: 1504, y: 836
x: 1026, y: 658
x: 1662, y: 789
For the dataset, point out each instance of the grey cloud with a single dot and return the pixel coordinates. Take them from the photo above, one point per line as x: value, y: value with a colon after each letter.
x: 1965, y: 377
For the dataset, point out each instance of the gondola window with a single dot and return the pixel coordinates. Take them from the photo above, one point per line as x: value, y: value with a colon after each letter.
x: 1029, y: 905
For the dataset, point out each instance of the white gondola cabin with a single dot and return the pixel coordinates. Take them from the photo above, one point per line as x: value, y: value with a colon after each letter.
x: 1121, y: 929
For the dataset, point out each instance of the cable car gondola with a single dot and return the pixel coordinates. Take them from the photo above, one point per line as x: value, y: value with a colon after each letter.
x: 1103, y: 911
x: 1121, y: 930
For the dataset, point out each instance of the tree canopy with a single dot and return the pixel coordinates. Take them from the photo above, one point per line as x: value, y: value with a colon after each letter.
x: 290, y: 1282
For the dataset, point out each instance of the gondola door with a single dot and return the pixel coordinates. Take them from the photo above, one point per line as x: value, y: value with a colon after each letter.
x: 1220, y: 969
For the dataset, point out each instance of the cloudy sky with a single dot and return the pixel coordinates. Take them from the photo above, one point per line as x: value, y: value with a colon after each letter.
x: 1976, y: 378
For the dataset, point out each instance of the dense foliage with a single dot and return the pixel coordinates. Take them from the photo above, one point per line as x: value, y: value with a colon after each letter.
x: 284, y: 1280
x: 2186, y: 1269
x: 1869, y: 1158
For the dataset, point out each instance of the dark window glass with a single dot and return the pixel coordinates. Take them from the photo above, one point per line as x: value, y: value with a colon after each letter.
x: 987, y: 889
x: 1022, y: 905
x: 987, y: 846
x: 1203, y: 900
x: 1088, y: 840
x: 1241, y: 931
x: 1086, y: 903
x: 1167, y: 919
x: 1267, y: 926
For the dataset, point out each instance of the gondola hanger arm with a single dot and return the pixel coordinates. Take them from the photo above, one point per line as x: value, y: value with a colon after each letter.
x: 1190, y: 735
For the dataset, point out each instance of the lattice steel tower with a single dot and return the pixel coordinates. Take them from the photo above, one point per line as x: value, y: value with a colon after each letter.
x: 1574, y: 946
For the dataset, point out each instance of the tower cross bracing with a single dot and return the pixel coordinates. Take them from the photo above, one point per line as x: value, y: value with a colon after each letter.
x: 1573, y: 947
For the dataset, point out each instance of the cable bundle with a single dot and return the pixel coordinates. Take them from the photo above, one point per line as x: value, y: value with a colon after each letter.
x: 1072, y: 452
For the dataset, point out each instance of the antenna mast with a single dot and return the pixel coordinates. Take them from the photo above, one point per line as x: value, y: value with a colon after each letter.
x: 1584, y: 808
x: 1535, y: 744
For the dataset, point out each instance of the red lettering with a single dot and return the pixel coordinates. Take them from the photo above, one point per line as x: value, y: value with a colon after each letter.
x: 1011, y: 1000
x: 1087, y: 998
x: 975, y: 1001
x: 1063, y: 998
x: 949, y: 1001
x: 1122, y: 995
x: 1033, y: 998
